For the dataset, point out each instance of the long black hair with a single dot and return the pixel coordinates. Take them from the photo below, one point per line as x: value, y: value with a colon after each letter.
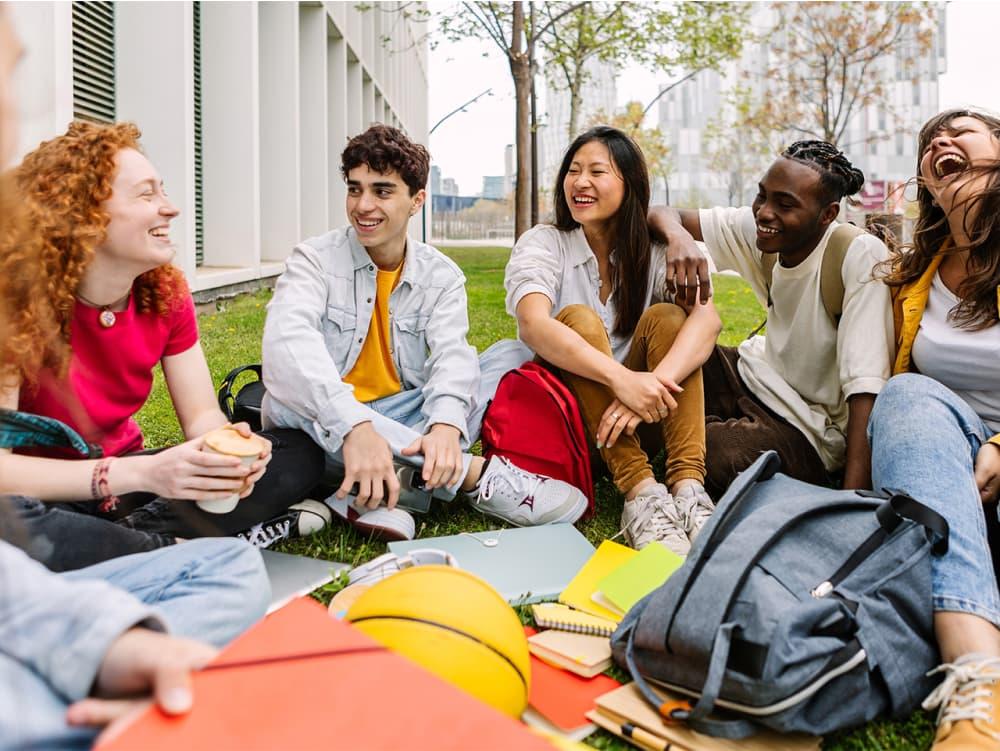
x: 629, y: 264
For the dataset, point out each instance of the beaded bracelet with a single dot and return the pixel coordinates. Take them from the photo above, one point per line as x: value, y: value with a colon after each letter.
x: 100, y: 489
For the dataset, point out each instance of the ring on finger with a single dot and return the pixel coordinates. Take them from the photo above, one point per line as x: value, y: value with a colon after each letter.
x: 615, y: 415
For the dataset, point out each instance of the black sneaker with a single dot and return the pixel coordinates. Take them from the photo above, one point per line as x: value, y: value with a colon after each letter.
x: 301, y: 519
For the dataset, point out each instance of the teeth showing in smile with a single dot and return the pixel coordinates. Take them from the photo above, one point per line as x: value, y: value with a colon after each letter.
x: 766, y: 230
x: 584, y: 200
x: 159, y: 233
x: 370, y: 223
x: 949, y: 164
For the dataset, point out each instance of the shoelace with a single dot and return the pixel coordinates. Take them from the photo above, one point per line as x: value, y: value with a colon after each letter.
x: 963, y: 694
x: 520, y: 482
x: 662, y: 518
x: 262, y: 537
x: 695, y: 511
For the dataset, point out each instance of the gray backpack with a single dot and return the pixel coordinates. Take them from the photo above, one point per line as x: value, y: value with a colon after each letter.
x: 799, y: 608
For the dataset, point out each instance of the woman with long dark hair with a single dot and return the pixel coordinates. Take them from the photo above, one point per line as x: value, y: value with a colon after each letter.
x: 589, y: 294
x: 935, y: 428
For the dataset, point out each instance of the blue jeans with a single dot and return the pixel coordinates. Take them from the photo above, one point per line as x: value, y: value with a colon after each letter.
x: 399, y: 420
x: 210, y: 590
x: 924, y: 442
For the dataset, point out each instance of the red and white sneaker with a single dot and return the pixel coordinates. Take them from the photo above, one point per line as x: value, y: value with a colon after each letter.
x: 382, y: 523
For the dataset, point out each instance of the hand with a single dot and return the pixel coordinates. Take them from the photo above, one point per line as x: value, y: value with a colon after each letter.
x: 187, y: 472
x: 687, y: 271
x: 644, y: 394
x: 140, y: 667
x: 442, y: 455
x: 988, y: 472
x: 368, y: 462
x: 617, y: 419
x: 258, y: 468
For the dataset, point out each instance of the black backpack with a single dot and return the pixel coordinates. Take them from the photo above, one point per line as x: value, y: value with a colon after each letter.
x: 244, y: 405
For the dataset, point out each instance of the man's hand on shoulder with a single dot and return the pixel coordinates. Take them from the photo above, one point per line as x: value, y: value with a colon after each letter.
x: 442, y: 454
x: 368, y: 462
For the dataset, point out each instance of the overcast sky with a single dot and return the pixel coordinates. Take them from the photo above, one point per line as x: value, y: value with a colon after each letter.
x: 470, y: 144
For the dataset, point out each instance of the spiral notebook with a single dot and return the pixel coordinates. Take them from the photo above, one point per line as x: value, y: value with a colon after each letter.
x: 558, y: 616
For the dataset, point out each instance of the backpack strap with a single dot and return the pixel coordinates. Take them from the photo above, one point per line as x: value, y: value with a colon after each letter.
x: 227, y: 399
x: 831, y: 277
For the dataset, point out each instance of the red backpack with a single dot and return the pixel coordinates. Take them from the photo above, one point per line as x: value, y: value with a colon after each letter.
x: 535, y: 422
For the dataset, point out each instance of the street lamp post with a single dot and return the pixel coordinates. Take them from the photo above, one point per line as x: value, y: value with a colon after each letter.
x: 460, y: 108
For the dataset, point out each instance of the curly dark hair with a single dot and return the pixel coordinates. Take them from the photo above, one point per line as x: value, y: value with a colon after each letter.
x: 978, y: 293
x: 629, y: 266
x: 386, y: 149
x: 837, y: 176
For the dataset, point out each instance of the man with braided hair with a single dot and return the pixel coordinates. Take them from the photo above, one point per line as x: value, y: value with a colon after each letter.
x: 805, y: 389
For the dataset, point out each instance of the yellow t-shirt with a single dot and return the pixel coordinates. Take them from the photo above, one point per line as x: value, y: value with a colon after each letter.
x: 374, y: 374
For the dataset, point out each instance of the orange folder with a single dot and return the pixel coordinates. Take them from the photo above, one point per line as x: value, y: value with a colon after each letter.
x: 562, y: 697
x: 271, y: 690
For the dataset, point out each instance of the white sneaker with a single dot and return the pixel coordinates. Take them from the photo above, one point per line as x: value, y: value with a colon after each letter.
x: 653, y: 516
x: 524, y: 498
x: 303, y: 518
x: 696, y: 508
x: 383, y: 523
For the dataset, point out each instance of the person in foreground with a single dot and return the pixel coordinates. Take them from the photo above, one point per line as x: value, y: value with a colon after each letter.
x: 935, y: 429
x: 365, y: 349
x: 104, y: 309
x: 88, y: 648
x: 805, y: 389
x: 589, y: 296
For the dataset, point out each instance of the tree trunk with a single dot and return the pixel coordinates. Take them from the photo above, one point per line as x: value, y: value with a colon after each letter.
x: 520, y: 71
x: 534, y: 120
x: 575, y: 101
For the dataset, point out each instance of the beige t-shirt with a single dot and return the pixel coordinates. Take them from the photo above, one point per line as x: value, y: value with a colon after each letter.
x: 805, y: 368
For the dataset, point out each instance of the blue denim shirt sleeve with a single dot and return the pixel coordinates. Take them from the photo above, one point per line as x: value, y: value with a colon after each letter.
x: 452, y: 366
x: 298, y: 369
x: 62, y: 629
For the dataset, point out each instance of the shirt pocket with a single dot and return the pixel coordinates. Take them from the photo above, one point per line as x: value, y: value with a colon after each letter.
x: 411, y: 346
x: 340, y: 331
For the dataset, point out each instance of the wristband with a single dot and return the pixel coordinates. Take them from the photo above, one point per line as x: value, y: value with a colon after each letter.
x: 100, y: 489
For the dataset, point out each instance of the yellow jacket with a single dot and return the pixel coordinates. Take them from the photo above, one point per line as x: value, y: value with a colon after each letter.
x: 907, y: 309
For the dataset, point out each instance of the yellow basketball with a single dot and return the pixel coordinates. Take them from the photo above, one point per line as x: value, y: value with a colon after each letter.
x: 456, y: 626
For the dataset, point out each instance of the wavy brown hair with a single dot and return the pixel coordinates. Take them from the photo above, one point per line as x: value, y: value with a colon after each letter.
x: 630, y: 263
x: 978, y: 293
x: 62, y: 185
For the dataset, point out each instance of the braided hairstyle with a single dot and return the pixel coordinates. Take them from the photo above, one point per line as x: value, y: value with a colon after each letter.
x: 837, y: 176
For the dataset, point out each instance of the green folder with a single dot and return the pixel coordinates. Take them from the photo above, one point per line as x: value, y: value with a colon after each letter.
x: 638, y: 576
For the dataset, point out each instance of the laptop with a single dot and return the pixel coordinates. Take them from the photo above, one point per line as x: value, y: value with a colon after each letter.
x: 524, y: 564
x: 295, y: 576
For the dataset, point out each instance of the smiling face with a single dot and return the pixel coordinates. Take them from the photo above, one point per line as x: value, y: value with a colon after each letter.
x: 138, y: 233
x: 379, y: 206
x: 789, y: 210
x: 593, y: 187
x: 949, y: 155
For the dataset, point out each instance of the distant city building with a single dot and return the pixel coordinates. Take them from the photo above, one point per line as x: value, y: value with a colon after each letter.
x: 449, y: 187
x: 435, y: 179
x: 493, y: 186
x: 686, y: 111
x: 599, y: 95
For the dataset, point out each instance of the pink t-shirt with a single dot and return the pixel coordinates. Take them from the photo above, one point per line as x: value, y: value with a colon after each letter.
x: 111, y: 374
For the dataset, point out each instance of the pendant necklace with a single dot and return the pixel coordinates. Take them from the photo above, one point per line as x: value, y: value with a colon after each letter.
x: 107, y: 316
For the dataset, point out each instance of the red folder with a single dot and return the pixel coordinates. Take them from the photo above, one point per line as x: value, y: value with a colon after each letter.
x: 266, y: 692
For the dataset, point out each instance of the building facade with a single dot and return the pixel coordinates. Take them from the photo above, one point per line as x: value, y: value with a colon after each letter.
x: 880, y: 138
x: 244, y: 109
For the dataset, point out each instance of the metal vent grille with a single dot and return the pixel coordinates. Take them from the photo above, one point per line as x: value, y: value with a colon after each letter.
x: 199, y: 204
x: 94, y: 61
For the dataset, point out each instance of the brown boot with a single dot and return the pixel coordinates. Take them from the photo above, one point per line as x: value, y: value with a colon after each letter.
x: 969, y: 702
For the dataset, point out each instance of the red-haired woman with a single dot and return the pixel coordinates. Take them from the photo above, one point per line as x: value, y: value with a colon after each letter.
x: 105, y: 309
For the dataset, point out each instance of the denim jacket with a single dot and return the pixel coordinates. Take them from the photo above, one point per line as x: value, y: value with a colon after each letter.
x: 318, y: 320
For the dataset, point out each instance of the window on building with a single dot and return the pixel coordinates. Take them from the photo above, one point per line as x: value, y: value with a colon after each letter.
x: 899, y: 144
x: 94, y: 61
x: 199, y: 202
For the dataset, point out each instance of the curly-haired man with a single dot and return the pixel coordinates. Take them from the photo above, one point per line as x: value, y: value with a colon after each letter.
x: 365, y: 348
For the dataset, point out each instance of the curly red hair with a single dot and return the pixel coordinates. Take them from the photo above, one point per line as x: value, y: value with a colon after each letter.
x: 62, y: 185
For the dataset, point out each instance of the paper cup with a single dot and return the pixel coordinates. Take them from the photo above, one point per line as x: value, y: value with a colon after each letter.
x: 230, y: 442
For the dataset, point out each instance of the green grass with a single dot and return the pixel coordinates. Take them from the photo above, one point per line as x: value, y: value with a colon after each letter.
x: 231, y: 337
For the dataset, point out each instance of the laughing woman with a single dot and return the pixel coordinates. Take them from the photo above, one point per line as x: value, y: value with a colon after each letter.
x: 106, y: 306
x: 935, y: 428
x: 589, y: 295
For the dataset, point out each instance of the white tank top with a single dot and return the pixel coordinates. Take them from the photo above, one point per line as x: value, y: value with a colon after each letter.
x: 967, y: 362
